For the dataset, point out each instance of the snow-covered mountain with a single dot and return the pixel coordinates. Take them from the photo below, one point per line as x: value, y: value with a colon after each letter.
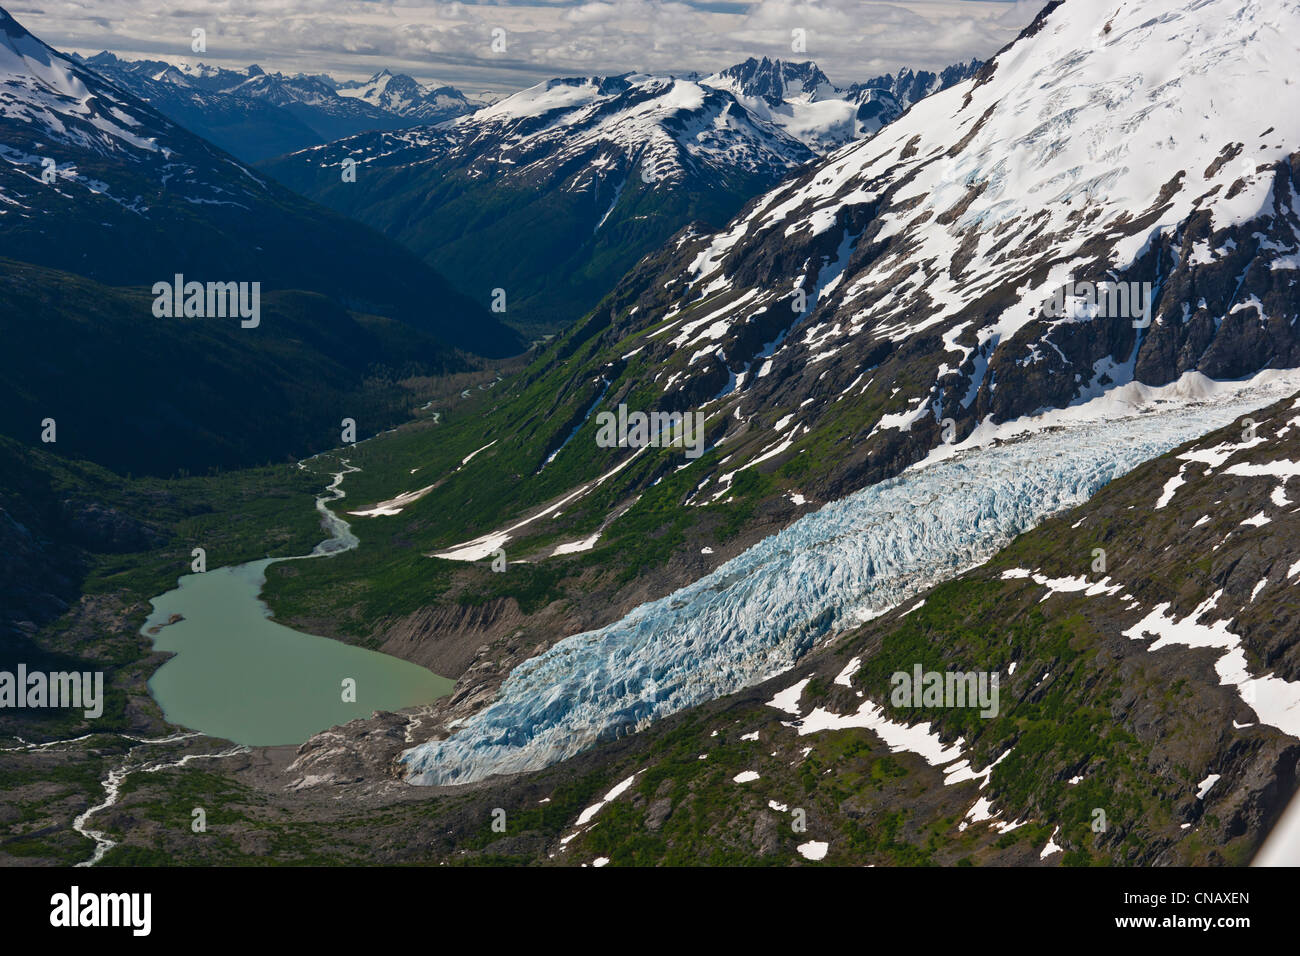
x: 910, y: 86
x: 893, y: 303
x: 775, y: 81
x: 670, y: 128
x: 402, y: 96
x: 256, y: 115
x: 58, y: 114
x: 585, y: 175
x: 554, y: 192
x: 914, y: 272
x: 799, y: 98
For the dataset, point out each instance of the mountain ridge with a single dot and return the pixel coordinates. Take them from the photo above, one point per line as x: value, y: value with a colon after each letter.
x: 257, y: 115
x: 605, y: 168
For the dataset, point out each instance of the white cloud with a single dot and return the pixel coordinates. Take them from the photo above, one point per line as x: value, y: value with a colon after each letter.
x: 451, y: 41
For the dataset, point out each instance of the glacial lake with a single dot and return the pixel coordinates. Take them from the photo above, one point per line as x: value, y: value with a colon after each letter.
x: 241, y: 676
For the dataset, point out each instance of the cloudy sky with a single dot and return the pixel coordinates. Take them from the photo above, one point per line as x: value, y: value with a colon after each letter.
x: 452, y: 42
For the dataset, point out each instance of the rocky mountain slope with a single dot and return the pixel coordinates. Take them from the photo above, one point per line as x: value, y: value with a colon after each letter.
x: 921, y: 261
x: 1161, y: 689
x: 849, y: 560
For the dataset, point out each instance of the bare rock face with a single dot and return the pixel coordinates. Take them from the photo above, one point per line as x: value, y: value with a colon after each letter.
x: 765, y: 834
x: 658, y: 811
x: 354, y: 753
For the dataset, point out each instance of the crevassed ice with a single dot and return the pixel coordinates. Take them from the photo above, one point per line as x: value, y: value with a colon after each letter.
x: 757, y: 614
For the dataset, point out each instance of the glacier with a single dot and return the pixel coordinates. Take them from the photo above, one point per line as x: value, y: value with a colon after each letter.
x: 757, y: 614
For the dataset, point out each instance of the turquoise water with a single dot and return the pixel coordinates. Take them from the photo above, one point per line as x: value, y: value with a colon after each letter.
x: 241, y: 676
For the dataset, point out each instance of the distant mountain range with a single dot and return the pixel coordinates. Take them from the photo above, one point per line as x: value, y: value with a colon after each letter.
x: 553, y: 193
x: 398, y: 94
x: 256, y: 115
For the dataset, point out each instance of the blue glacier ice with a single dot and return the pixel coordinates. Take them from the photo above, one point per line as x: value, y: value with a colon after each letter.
x: 757, y: 614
